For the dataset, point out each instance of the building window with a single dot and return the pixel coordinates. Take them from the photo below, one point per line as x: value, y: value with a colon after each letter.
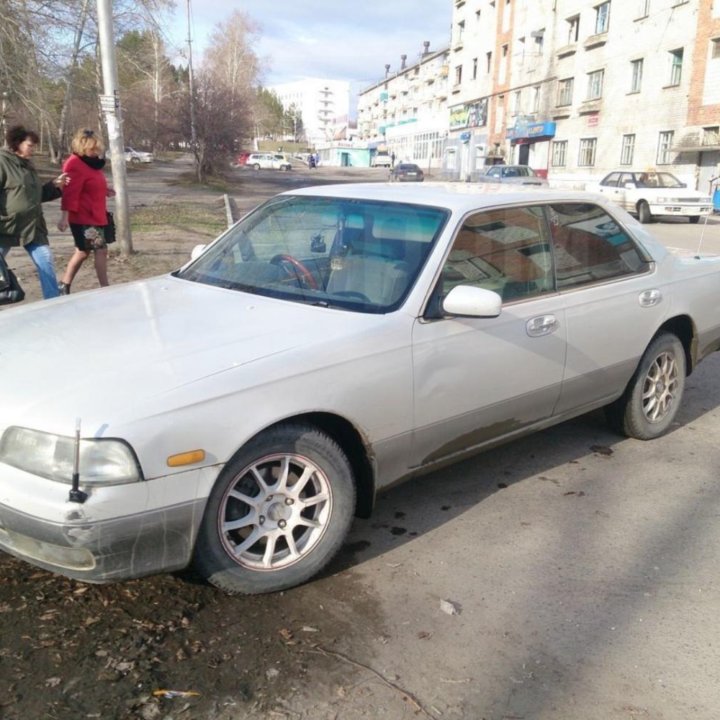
x: 663, y: 152
x: 676, y: 60
x: 538, y: 37
x: 474, y: 68
x: 559, y: 153
x: 565, y: 92
x: 643, y: 8
x: 573, y: 29
x: 715, y: 48
x: 536, y: 99
x: 628, y: 149
x: 460, y: 32
x: 711, y: 135
x: 595, y: 85
x: 602, y: 18
x: 637, y: 71
x: 503, y: 64
x: 586, y: 157
x: 517, y: 102
x: 458, y: 74
x: 488, y: 58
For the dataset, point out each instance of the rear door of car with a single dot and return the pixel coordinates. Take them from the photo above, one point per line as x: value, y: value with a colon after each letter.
x: 611, y: 300
x: 476, y: 379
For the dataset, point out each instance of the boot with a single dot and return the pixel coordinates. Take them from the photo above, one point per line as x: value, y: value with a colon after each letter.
x: 64, y: 288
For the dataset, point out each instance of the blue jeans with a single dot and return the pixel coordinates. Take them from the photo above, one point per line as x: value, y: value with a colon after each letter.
x: 42, y: 258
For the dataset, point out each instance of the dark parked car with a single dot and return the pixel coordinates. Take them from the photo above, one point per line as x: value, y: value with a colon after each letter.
x: 514, y: 174
x: 407, y: 172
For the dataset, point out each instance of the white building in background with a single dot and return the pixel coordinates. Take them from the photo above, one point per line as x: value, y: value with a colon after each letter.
x: 406, y: 113
x: 323, y: 104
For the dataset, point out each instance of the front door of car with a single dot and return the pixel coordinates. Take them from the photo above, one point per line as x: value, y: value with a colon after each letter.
x: 478, y: 379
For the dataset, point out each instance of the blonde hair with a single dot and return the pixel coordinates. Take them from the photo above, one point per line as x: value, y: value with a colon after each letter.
x: 86, y: 141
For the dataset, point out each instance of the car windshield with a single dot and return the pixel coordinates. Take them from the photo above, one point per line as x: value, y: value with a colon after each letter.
x: 359, y: 255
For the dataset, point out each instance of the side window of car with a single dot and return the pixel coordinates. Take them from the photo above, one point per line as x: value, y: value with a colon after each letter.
x: 611, y: 180
x: 506, y: 250
x: 590, y: 246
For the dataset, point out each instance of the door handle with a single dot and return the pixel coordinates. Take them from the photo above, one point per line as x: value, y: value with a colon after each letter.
x: 541, y: 325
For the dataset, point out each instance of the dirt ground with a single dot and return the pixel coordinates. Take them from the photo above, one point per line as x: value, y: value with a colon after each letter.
x: 69, y: 650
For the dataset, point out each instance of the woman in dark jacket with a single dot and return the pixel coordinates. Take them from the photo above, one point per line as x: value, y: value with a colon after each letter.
x: 22, y: 223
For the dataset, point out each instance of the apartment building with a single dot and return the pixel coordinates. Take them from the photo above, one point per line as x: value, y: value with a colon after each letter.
x: 324, y: 105
x: 580, y: 87
x: 575, y: 88
x: 406, y: 113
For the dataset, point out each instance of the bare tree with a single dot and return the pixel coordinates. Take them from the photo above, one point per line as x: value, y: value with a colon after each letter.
x: 224, y: 93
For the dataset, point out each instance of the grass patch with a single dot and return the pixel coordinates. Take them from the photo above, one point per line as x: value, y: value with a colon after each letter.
x: 193, y: 216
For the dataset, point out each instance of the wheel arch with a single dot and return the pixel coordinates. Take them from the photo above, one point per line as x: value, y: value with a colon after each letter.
x: 352, y: 443
x: 684, y: 329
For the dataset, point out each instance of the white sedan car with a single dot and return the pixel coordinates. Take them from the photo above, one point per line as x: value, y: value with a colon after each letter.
x: 651, y: 194
x: 138, y: 156
x: 238, y: 413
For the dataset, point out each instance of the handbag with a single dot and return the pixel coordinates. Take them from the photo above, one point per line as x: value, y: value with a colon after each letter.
x: 10, y: 289
x: 110, y: 228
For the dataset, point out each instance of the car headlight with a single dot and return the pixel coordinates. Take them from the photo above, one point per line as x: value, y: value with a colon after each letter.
x: 103, y: 461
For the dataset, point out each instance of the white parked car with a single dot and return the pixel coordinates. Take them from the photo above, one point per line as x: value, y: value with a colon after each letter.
x: 651, y: 194
x: 381, y: 160
x: 137, y: 156
x: 268, y: 161
x: 238, y: 413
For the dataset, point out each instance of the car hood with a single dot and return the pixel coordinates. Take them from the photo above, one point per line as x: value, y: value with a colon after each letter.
x: 130, y: 343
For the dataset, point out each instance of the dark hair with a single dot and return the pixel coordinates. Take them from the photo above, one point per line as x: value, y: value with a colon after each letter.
x: 17, y: 134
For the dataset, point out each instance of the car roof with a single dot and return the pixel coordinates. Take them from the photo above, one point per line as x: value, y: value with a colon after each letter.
x: 459, y: 197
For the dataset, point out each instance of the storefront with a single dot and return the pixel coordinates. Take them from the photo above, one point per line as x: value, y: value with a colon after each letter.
x: 530, y: 142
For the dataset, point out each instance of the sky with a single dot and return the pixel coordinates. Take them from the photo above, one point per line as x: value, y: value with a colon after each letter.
x: 329, y: 39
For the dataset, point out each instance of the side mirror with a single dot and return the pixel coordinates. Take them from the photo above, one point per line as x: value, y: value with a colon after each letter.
x: 197, y: 251
x: 469, y: 301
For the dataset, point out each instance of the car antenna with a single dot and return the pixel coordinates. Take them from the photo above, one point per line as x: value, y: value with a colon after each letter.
x: 76, y: 495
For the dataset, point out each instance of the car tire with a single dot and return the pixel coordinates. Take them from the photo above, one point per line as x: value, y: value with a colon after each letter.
x: 694, y: 219
x: 261, y: 531
x: 644, y: 214
x: 653, y: 396
x: 135, y: 160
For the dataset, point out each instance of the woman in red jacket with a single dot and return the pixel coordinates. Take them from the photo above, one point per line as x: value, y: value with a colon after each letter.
x: 84, y: 207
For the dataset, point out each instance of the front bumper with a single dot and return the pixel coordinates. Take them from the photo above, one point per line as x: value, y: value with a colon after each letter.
x: 680, y: 210
x: 103, y: 551
x: 119, y: 532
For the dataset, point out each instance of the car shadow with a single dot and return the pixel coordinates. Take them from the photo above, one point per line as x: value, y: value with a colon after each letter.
x: 422, y: 504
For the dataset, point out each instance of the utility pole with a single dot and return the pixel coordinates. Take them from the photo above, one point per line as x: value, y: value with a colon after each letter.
x: 110, y: 105
x: 191, y: 90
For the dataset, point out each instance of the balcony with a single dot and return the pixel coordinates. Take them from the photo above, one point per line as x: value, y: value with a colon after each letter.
x: 595, y: 41
x: 566, y: 50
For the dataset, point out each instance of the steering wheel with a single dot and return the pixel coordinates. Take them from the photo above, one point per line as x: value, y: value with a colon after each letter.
x: 301, y: 272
